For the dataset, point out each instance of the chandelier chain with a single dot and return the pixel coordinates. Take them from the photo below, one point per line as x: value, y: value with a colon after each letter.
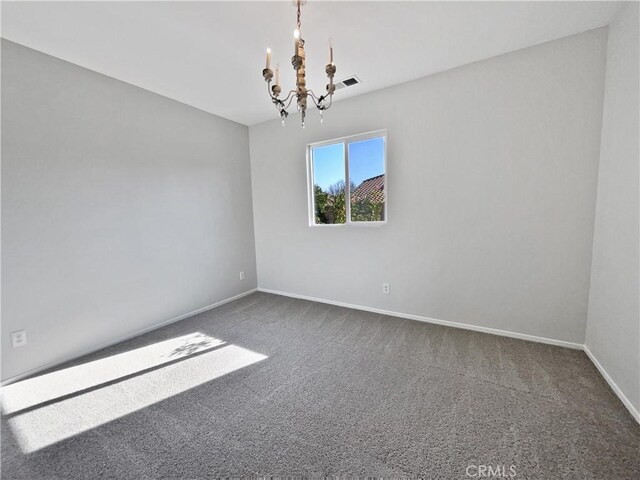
x: 298, y: 18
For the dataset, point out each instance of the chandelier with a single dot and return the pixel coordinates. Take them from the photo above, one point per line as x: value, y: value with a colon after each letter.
x: 300, y: 93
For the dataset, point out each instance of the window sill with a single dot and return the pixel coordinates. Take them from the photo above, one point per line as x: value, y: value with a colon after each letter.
x: 352, y: 224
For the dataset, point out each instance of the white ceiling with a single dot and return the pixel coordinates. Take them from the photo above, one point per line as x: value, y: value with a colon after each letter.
x: 211, y: 54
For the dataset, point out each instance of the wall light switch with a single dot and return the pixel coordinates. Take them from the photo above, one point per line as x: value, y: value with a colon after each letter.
x: 241, y: 275
x: 19, y: 338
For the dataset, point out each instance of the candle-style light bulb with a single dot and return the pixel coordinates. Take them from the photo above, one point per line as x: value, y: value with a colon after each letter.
x: 268, y: 58
x: 330, y: 52
x: 296, y: 41
x: 278, y: 74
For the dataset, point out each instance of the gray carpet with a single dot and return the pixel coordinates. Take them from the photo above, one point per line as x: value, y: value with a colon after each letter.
x: 340, y: 392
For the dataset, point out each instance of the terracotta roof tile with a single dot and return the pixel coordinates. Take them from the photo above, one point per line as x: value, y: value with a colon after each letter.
x: 371, y: 188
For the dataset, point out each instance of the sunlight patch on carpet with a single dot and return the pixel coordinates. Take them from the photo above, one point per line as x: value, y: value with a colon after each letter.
x: 44, y: 388
x: 42, y: 426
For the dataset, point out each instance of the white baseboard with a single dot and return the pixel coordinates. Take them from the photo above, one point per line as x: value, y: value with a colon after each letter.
x: 623, y: 398
x: 493, y: 331
x: 129, y: 336
x: 410, y: 316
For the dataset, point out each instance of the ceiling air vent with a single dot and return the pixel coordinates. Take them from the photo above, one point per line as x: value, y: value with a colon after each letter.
x: 348, y: 82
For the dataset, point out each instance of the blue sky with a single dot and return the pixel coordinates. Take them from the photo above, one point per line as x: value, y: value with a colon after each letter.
x: 366, y: 160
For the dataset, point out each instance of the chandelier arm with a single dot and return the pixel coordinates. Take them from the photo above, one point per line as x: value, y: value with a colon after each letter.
x: 316, y: 100
x: 290, y: 99
x: 277, y: 102
x: 330, y: 103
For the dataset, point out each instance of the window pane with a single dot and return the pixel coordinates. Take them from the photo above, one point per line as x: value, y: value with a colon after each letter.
x: 367, y: 180
x: 328, y: 184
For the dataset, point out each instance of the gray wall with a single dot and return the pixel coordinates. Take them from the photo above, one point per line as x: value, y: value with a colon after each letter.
x: 613, y: 328
x: 492, y: 183
x: 120, y: 209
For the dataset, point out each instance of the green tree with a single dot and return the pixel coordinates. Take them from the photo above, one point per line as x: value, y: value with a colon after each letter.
x: 337, y: 213
x: 366, y: 210
x: 321, y: 199
x: 330, y: 205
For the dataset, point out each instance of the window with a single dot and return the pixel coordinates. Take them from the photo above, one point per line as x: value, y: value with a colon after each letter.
x: 351, y: 168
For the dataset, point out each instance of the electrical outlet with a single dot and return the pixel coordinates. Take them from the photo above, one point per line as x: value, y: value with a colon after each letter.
x: 19, y: 338
x: 385, y: 288
x: 241, y: 275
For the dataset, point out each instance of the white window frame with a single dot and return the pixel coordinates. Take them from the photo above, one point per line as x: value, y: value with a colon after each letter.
x: 345, y: 142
